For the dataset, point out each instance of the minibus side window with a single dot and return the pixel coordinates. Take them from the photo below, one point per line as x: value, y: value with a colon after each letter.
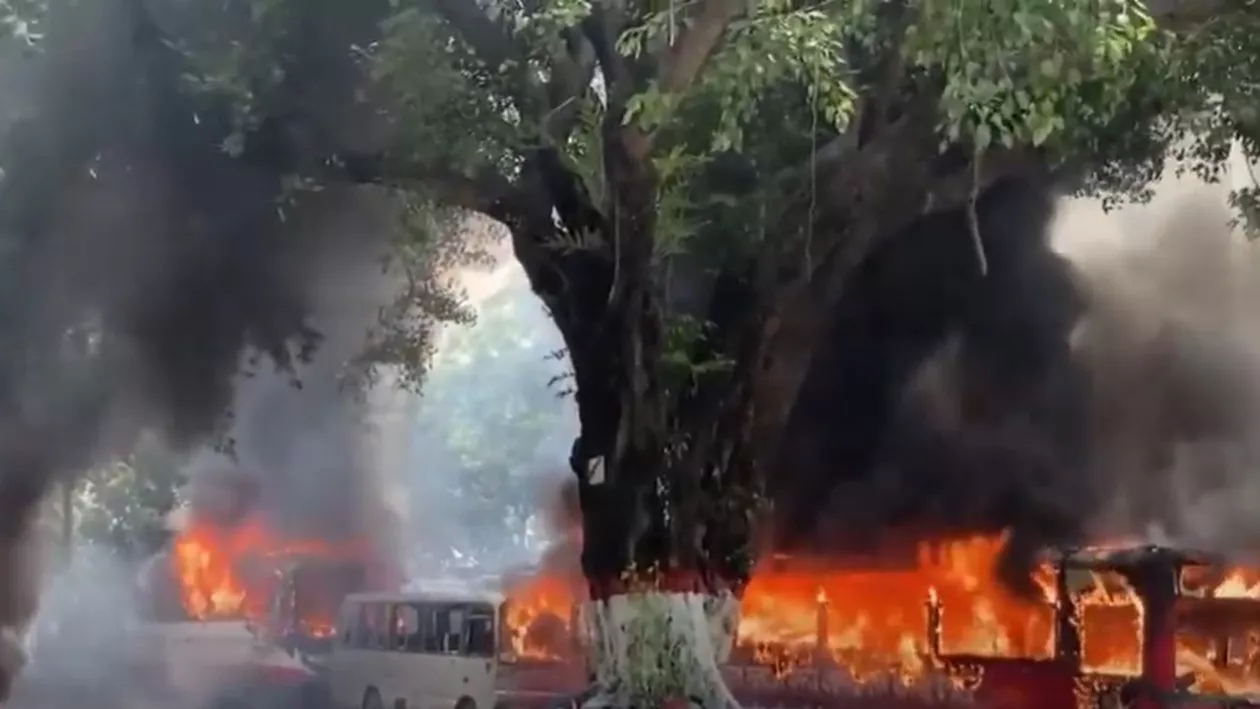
x: 430, y: 632
x: 376, y: 622
x: 479, y: 632
x: 407, y: 628
x: 453, y: 630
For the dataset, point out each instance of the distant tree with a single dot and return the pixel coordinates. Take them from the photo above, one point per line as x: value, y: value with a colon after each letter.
x: 492, y: 419
x: 123, y: 506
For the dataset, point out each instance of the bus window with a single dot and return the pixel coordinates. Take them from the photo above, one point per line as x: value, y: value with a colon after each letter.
x: 375, y: 626
x: 407, y: 630
x: 480, y: 635
x: 453, y: 631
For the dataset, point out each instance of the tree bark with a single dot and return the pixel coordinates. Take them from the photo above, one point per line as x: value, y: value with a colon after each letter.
x: 661, y: 616
x: 653, y: 647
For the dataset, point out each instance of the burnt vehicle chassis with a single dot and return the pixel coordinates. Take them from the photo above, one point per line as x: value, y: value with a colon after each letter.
x: 1061, y: 681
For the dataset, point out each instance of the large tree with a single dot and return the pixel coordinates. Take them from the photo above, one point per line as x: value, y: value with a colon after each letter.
x: 689, y: 185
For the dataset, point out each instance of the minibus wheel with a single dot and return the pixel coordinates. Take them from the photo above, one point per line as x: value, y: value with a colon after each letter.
x: 372, y: 699
x: 466, y: 703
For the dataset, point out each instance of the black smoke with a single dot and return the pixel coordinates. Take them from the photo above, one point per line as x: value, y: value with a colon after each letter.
x: 139, y: 262
x: 1058, y: 402
x: 877, y: 443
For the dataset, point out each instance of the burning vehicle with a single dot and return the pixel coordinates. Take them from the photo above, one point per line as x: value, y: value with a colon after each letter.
x: 1116, y: 626
x: 243, y: 615
x: 1143, y: 626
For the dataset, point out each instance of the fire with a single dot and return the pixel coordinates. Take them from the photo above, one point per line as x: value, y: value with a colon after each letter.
x: 231, y: 573
x: 874, y: 621
x: 209, y: 587
x: 1239, y: 584
x: 540, y: 609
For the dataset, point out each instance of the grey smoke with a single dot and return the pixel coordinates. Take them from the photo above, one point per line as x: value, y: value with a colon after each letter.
x: 83, y: 639
x: 140, y: 263
x: 303, y: 440
x: 1173, y: 341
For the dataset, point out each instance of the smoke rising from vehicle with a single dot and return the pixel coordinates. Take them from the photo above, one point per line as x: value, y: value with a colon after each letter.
x: 140, y: 264
x: 1100, y: 383
x: 301, y: 441
x: 1173, y: 343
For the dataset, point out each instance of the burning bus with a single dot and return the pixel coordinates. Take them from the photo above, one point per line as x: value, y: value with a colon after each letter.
x: 1117, y: 626
x: 1144, y: 626
x: 241, y: 613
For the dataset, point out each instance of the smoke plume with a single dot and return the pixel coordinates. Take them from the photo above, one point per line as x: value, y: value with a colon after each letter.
x: 1100, y: 382
x: 83, y: 640
x: 140, y: 263
x: 301, y: 453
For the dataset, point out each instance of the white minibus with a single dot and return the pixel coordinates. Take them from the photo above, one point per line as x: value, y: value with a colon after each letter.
x: 416, y: 650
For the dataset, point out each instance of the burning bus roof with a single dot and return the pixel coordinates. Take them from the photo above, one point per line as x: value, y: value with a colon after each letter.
x: 1115, y: 557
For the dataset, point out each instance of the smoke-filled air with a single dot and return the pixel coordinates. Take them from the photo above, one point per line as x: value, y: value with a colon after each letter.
x: 515, y: 334
x: 1098, y: 384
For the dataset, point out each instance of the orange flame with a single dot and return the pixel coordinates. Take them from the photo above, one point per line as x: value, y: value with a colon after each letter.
x: 231, y: 573
x: 874, y: 620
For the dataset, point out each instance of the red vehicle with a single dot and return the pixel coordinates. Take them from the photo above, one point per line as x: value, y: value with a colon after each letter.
x: 1155, y: 575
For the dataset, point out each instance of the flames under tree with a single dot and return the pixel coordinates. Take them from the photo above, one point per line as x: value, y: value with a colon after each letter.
x: 868, y: 617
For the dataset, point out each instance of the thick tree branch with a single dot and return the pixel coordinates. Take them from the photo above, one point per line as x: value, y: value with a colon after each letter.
x: 571, y: 77
x: 486, y: 191
x: 870, y: 192
x: 602, y: 28
x: 1190, y: 15
x: 685, y: 59
x: 697, y: 43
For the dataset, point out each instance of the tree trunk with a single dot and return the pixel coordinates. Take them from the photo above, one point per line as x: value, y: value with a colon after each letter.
x: 651, y: 467
x: 661, y: 617
x: 653, y: 647
x: 664, y: 601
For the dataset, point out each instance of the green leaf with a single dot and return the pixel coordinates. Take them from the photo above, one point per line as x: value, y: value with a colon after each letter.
x: 983, y: 137
x: 1041, y: 131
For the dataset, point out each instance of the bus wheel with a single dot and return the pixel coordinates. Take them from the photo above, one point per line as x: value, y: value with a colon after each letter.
x: 372, y: 699
x: 466, y: 703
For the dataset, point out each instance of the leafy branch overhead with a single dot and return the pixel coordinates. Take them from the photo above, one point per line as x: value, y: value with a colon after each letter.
x: 647, y: 145
x: 1100, y: 87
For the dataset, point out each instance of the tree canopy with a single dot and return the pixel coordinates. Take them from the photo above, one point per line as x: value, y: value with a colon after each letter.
x: 689, y: 183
